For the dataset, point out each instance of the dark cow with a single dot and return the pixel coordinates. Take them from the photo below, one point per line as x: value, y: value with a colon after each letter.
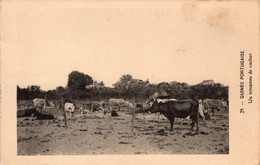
x: 180, y: 108
x: 114, y: 114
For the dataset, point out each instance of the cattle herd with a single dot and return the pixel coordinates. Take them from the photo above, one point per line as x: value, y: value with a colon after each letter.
x: 172, y: 109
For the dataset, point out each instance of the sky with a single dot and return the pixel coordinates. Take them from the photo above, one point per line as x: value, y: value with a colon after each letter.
x: 184, y: 42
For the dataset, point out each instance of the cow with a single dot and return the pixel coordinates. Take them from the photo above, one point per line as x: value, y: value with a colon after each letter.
x: 153, y: 97
x: 52, y: 103
x: 180, y: 108
x: 105, y: 108
x: 96, y: 107
x: 84, y: 110
x: 129, y: 104
x: 119, y: 102
x: 39, y: 103
x: 212, y: 104
x: 69, y: 108
x: 116, y: 102
x: 156, y: 95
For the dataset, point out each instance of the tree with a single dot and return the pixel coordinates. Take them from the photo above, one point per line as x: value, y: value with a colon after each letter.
x: 139, y: 88
x: 51, y: 94
x: 34, y: 91
x: 101, y: 84
x: 128, y: 87
x: 60, y: 90
x: 29, y: 93
x: 78, y: 81
x: 123, y: 85
x: 181, y: 90
x: 164, y: 89
x: 211, y: 91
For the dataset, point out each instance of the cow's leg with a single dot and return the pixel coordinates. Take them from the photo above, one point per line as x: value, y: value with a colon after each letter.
x: 213, y: 112
x: 172, y: 122
x: 182, y: 120
x: 197, y: 122
x: 188, y: 120
x: 192, y: 121
x: 192, y: 124
x: 202, y: 115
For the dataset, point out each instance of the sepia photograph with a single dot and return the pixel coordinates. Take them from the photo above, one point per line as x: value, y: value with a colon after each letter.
x: 132, y: 117
x: 129, y: 78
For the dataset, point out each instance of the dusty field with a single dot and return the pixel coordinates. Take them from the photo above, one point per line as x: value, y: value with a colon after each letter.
x: 102, y: 134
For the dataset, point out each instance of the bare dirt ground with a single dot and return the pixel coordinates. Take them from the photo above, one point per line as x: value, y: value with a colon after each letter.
x: 102, y: 134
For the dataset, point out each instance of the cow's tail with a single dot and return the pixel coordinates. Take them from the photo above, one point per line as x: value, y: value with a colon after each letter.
x: 196, y: 106
x: 197, y: 114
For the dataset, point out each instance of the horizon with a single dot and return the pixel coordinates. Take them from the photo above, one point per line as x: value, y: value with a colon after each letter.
x: 46, y: 89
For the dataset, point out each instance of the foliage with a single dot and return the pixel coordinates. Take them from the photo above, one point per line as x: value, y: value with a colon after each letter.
x: 30, y: 93
x: 77, y: 81
x: 129, y: 87
x: 81, y: 86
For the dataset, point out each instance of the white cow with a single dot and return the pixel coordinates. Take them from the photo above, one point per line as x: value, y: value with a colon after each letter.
x: 42, y: 103
x: 69, y: 108
x: 129, y: 104
x: 84, y: 110
x: 39, y: 103
x: 214, y: 104
x: 116, y: 102
x: 113, y: 101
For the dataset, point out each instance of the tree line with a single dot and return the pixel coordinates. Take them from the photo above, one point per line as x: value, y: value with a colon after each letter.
x: 82, y: 86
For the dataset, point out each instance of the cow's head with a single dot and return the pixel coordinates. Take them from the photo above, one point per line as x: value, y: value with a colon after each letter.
x: 155, y: 107
x: 148, y: 104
